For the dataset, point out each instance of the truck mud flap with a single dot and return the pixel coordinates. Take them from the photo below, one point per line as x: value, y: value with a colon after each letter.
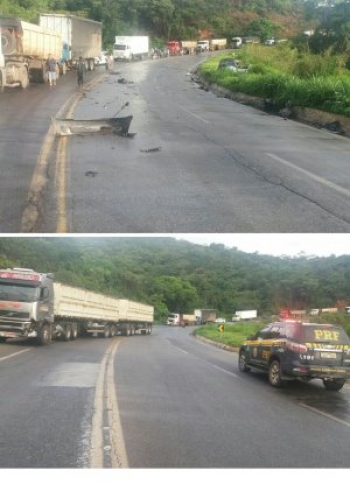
x: 69, y: 127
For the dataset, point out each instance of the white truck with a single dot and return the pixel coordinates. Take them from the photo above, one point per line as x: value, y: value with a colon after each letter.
x: 32, y: 305
x: 248, y: 314
x: 24, y: 50
x: 130, y: 48
x: 81, y: 37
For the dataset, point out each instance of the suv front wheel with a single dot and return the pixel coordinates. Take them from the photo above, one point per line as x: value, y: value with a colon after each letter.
x: 242, y: 364
x: 333, y: 385
x: 275, y: 374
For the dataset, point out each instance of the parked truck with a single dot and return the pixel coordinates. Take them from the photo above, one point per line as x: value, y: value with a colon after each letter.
x: 24, y: 50
x: 175, y: 47
x: 189, y: 46
x: 244, y: 315
x: 81, y: 37
x: 131, y: 47
x: 217, y: 44
x: 32, y: 305
x: 176, y: 319
x: 205, y: 315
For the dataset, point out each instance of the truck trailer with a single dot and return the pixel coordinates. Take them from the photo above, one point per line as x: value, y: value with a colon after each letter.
x: 81, y: 37
x: 131, y: 47
x: 24, y: 50
x: 205, y: 315
x: 32, y: 305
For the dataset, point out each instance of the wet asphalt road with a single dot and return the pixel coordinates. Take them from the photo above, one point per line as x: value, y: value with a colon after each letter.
x: 182, y: 404
x: 198, y: 163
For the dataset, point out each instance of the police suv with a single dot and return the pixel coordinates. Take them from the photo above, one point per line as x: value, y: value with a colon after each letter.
x: 287, y: 350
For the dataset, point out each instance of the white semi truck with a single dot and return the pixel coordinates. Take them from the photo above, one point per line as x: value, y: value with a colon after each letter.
x: 130, y: 47
x: 81, y: 37
x: 24, y: 50
x: 32, y: 305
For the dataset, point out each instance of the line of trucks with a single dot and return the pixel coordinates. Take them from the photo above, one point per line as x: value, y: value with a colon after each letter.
x: 25, y: 47
x: 32, y: 305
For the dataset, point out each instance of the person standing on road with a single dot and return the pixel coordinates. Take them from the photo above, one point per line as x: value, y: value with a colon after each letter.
x: 51, y: 67
x: 81, y: 72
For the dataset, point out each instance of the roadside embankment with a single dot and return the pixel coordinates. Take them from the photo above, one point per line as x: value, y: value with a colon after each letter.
x: 334, y: 123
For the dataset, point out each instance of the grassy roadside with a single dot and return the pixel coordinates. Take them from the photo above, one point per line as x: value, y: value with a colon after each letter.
x: 233, y: 334
x: 286, y: 77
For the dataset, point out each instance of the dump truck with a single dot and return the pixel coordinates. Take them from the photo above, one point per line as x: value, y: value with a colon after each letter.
x: 81, y: 37
x: 174, y: 47
x: 32, y: 305
x: 217, y: 44
x: 188, y: 46
x: 24, y: 50
x: 130, y: 47
x: 205, y: 315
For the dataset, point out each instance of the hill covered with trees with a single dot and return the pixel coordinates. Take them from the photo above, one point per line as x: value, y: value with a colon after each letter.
x: 179, y: 276
x: 167, y: 19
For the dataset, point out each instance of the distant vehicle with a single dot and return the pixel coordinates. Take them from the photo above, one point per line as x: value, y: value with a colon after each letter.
x: 205, y: 315
x: 347, y: 310
x: 287, y: 350
x: 236, y: 42
x: 174, y: 319
x: 217, y: 44
x: 131, y: 47
x: 175, y: 47
x: 203, y: 45
x: 270, y: 41
x: 81, y: 37
x: 101, y: 59
x: 220, y: 320
x: 188, y: 46
x: 228, y: 63
x: 248, y: 314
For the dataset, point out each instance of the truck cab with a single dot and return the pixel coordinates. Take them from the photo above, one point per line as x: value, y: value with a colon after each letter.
x: 204, y: 45
x: 26, y: 303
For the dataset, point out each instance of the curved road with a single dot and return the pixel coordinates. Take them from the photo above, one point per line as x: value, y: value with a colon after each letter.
x: 198, y: 163
x: 163, y: 401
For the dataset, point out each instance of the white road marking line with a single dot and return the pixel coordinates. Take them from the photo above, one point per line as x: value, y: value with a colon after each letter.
x: 324, y: 414
x: 195, y: 115
x: 14, y: 354
x: 317, y: 178
x: 106, y: 399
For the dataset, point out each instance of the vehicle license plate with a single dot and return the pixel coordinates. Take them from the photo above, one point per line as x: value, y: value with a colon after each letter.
x: 329, y: 355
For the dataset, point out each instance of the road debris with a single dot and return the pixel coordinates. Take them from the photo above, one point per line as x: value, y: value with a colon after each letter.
x: 68, y: 127
x: 151, y: 150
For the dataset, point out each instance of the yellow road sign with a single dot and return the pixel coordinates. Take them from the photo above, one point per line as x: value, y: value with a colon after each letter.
x: 221, y: 327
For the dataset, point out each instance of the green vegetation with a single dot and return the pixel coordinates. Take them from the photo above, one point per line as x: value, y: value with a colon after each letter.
x: 233, y: 334
x: 287, y: 77
x: 178, y: 276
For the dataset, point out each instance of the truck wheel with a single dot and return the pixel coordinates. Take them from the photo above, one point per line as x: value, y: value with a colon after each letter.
x: 107, y: 331
x: 24, y: 78
x: 44, y: 335
x: 74, y: 333
x: 67, y: 332
x: 333, y: 385
x: 275, y: 374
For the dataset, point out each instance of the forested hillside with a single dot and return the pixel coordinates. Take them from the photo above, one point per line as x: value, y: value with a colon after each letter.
x: 179, y: 276
x: 166, y: 19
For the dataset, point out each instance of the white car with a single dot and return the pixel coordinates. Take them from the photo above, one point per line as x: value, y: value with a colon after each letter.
x: 101, y: 59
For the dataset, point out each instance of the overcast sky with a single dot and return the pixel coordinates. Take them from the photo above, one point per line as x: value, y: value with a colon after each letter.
x: 278, y: 244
